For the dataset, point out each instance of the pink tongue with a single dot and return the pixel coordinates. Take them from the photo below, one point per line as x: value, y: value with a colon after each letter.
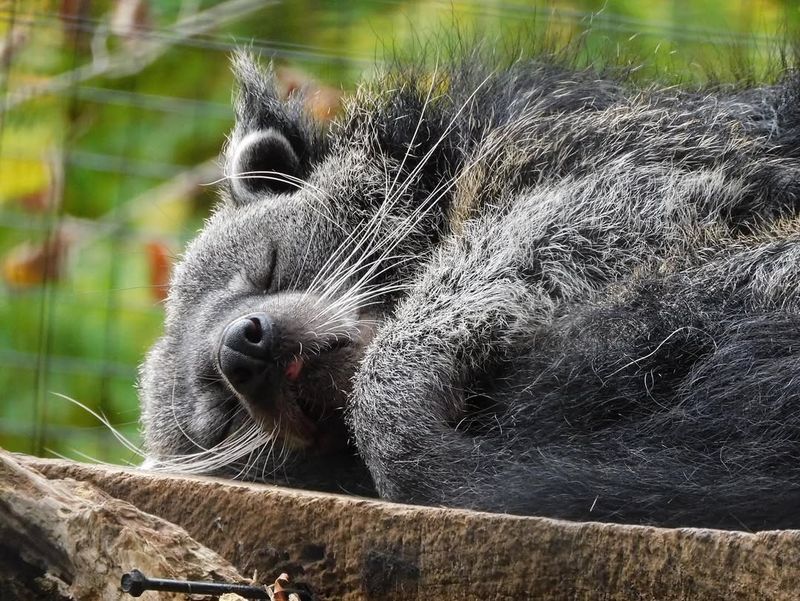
x: 293, y: 369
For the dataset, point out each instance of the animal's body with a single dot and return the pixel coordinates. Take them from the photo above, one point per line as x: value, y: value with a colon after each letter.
x: 534, y: 290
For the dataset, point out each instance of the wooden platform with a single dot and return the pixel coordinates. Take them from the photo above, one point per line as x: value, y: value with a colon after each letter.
x: 351, y: 548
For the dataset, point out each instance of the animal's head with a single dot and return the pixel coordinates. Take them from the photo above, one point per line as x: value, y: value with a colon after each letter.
x: 273, y: 303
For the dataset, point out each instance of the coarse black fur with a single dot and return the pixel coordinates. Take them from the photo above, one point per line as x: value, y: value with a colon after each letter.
x: 532, y: 289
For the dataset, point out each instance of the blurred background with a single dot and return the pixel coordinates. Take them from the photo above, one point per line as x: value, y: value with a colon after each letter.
x: 111, y: 116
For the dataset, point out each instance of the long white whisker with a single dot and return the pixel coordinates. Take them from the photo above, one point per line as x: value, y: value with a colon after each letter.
x: 301, y: 184
x: 416, y: 216
x: 416, y: 129
x: 104, y: 420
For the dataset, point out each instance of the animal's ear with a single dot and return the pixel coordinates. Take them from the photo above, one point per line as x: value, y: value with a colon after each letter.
x: 275, y: 143
x: 263, y: 161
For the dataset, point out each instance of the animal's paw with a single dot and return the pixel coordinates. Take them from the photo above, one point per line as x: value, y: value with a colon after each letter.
x: 417, y: 407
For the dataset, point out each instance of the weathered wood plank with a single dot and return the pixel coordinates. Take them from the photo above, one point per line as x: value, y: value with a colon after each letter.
x: 351, y: 548
x: 65, y: 539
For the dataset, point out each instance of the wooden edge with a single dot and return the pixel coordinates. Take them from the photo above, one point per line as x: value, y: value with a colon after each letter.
x: 353, y: 548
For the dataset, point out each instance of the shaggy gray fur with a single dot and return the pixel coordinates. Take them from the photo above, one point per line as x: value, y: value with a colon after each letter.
x: 533, y: 289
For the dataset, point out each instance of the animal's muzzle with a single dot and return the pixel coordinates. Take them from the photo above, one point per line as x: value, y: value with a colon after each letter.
x: 247, y: 354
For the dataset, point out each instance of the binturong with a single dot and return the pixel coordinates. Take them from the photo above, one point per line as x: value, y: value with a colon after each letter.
x: 530, y: 288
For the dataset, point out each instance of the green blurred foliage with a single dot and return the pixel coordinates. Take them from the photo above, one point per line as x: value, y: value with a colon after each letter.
x: 103, y: 143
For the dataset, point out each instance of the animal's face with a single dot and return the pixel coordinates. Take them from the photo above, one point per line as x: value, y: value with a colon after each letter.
x: 269, y: 310
x: 250, y: 337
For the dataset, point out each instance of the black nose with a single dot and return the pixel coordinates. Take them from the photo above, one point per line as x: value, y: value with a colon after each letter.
x: 245, y: 353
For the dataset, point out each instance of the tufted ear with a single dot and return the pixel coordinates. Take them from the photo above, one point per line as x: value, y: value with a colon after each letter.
x: 274, y: 143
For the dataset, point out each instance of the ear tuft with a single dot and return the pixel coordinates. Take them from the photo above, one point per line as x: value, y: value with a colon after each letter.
x: 256, y: 84
x: 259, y: 159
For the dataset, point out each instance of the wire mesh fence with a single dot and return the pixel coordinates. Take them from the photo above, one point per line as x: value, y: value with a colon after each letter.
x: 112, y: 113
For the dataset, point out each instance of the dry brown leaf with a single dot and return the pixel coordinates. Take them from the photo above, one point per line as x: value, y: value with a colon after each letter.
x: 31, y: 264
x: 321, y: 101
x: 159, y: 264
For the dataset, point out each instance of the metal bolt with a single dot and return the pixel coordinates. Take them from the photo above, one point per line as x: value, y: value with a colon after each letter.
x: 135, y: 583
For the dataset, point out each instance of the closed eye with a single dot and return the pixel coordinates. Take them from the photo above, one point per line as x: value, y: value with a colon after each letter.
x: 267, y: 281
x: 263, y: 282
